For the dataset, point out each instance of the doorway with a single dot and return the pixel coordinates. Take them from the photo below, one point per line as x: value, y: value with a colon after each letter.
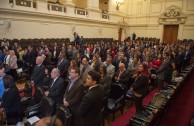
x: 170, y: 33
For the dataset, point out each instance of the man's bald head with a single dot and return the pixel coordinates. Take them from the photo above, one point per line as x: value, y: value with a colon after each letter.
x: 39, y: 60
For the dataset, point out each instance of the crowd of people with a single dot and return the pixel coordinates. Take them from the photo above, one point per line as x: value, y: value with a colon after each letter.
x: 90, y: 69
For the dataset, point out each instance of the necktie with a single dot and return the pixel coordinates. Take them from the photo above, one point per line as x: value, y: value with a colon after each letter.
x: 83, y: 69
x: 52, y: 83
x: 70, y: 85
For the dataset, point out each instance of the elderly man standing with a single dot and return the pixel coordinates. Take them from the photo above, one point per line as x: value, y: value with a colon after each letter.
x: 38, y: 72
x: 57, y: 87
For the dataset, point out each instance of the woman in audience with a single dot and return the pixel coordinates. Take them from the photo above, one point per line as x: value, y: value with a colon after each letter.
x: 47, y: 78
x: 140, y: 87
x: 157, y: 62
x: 13, y: 64
x: 73, y: 64
x: 2, y: 88
x: 11, y: 101
x: 105, y: 80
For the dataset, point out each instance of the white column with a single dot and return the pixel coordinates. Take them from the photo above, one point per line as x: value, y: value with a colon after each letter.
x: 111, y: 6
x: 70, y: 7
x: 180, y: 31
x: 93, y: 4
x: 161, y: 32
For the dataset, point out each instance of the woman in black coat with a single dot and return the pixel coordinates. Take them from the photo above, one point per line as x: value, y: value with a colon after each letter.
x: 11, y: 101
x: 105, y: 80
x: 140, y: 87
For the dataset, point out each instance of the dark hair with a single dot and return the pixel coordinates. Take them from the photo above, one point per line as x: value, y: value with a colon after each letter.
x: 77, y: 70
x: 167, y: 53
x: 85, y: 57
x: 103, y: 68
x: 94, y: 75
x: 8, y: 81
x: 1, y: 67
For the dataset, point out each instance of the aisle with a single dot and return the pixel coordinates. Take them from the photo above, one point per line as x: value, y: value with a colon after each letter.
x: 182, y: 109
x: 123, y: 120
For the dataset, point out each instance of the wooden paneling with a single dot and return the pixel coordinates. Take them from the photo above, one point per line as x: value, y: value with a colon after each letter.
x: 170, y: 33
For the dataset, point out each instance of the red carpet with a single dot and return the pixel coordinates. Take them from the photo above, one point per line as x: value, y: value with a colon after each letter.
x: 123, y: 120
x: 181, y: 110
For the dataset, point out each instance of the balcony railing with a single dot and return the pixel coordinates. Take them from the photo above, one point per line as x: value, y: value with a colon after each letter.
x: 56, y: 7
x: 105, y: 16
x: 25, y: 3
x: 80, y: 11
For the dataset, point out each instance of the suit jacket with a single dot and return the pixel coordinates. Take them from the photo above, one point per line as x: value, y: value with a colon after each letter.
x: 140, y: 85
x: 57, y: 90
x: 124, y: 78
x: 74, y: 95
x: 11, y: 103
x: 13, y: 62
x: 110, y: 70
x: 63, y: 67
x: 38, y: 74
x: 31, y: 57
x: 91, y: 106
x: 106, y: 83
x: 163, y: 69
x: 85, y: 73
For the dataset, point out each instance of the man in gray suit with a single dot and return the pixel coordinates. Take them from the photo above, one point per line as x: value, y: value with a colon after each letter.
x: 85, y: 68
x: 73, y: 95
x: 109, y: 67
x: 163, y: 70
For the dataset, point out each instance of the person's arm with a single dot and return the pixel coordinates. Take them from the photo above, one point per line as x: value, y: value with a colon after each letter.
x: 78, y: 96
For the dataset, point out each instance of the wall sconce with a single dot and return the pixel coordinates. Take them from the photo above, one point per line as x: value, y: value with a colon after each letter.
x: 118, y: 4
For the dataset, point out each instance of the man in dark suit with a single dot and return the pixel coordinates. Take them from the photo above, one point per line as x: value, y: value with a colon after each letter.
x: 63, y: 65
x: 187, y: 57
x: 30, y: 60
x: 57, y: 87
x: 73, y: 95
x: 95, y: 63
x: 122, y: 75
x: 38, y: 72
x: 163, y: 70
x: 92, y: 103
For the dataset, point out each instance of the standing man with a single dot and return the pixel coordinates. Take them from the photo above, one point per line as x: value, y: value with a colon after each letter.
x: 57, y: 87
x: 73, y: 95
x: 85, y: 68
x: 163, y: 70
x: 92, y: 103
x: 38, y: 72
x: 63, y: 65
